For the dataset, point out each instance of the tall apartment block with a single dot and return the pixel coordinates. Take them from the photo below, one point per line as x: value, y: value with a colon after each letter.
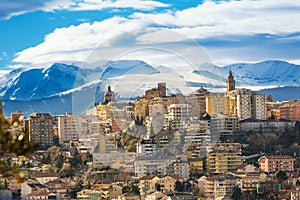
x: 40, y: 126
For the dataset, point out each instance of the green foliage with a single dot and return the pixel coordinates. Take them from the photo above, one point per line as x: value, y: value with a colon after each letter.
x: 236, y: 193
x: 59, y: 161
x: 280, y: 175
x: 76, y: 160
x: 13, y: 142
x: 131, y: 188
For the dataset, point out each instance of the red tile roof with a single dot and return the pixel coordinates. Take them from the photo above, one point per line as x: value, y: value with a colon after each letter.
x: 149, y: 177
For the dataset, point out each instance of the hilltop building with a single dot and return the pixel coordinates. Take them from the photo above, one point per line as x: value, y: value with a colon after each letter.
x: 152, y: 97
x: 109, y: 95
x: 237, y: 102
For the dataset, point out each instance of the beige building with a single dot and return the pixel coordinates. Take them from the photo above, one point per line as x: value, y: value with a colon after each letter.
x: 69, y: 128
x: 259, y: 109
x: 216, y: 104
x: 153, y: 165
x: 88, y: 194
x: 74, y: 127
x: 221, y: 186
x: 167, y: 183
x: 237, y: 102
x: 179, y: 111
x: 146, y: 183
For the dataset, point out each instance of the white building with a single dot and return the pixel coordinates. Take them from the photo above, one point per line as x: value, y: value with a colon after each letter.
x: 146, y: 147
x: 75, y: 127
x: 153, y: 165
x: 179, y: 112
x: 259, y: 108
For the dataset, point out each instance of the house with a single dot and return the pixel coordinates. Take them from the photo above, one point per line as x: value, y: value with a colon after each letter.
x: 155, y: 195
x: 247, y: 168
x: 167, y: 183
x: 147, y: 183
x: 128, y: 196
x: 46, y: 177
x: 111, y: 192
x: 27, y: 188
x: 41, y: 196
x: 59, y: 187
x: 89, y: 195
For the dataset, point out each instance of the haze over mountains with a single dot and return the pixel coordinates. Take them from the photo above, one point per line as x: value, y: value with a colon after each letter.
x: 62, y: 88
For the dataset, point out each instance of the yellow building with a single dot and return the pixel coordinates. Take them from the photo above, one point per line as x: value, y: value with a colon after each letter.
x: 224, y: 157
x: 237, y: 102
x: 195, y: 166
x: 216, y: 104
x: 153, y: 97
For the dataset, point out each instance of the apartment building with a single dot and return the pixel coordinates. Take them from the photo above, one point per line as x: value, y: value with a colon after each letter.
x: 224, y: 157
x: 272, y: 163
x: 40, y: 126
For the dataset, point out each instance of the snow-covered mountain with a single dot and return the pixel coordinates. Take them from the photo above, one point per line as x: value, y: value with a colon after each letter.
x: 266, y: 73
x: 30, y: 84
x: 60, y: 87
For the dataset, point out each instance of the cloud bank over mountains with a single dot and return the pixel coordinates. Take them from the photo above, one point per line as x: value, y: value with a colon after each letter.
x: 228, y: 30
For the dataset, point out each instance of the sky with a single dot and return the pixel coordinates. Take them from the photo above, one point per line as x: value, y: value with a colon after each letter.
x: 34, y: 32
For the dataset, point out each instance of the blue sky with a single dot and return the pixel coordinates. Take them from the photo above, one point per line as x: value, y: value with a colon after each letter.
x: 34, y: 31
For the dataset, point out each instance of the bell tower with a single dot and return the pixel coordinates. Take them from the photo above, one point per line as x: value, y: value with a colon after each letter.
x: 230, y: 83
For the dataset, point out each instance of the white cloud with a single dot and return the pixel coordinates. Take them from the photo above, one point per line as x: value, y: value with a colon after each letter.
x: 11, y: 8
x: 205, y: 21
x: 99, y: 5
x: 77, y: 42
x: 233, y: 17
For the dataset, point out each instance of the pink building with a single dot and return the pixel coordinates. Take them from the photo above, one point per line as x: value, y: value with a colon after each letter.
x: 273, y: 163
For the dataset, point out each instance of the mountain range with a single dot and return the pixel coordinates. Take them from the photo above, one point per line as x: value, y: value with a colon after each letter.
x: 61, y: 88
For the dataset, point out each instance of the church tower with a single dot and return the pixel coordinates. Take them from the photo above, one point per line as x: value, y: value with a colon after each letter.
x: 230, y: 83
x: 109, y: 95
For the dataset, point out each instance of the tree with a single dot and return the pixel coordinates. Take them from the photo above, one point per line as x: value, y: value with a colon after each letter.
x: 76, y: 160
x: 59, y: 161
x: 78, y: 187
x: 179, y: 186
x: 280, y: 175
x: 236, y: 193
x: 13, y: 141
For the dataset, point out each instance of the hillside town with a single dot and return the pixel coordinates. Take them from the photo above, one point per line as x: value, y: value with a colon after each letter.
x: 239, y: 144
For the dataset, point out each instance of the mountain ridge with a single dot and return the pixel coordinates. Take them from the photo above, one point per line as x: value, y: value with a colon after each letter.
x: 56, y: 85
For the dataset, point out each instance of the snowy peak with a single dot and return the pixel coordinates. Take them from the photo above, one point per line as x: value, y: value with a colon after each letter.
x: 38, y: 83
x: 266, y: 73
x: 125, y: 67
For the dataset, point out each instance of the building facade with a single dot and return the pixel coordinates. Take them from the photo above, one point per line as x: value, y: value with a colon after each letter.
x: 41, y: 128
x: 224, y: 157
x: 272, y: 163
